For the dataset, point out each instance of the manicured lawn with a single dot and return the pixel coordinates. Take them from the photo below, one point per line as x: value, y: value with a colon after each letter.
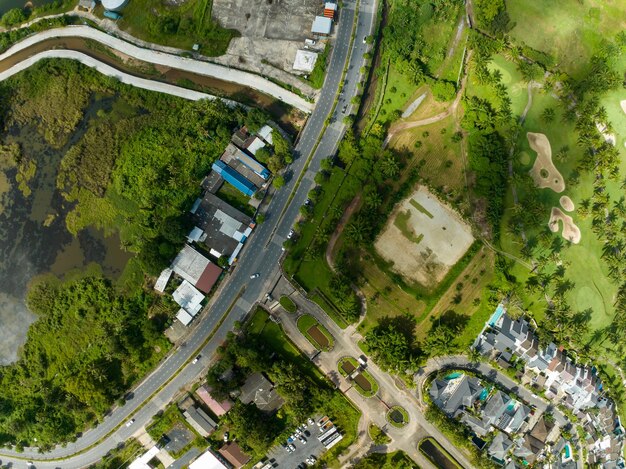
x: 316, y: 78
x: 315, y: 333
x: 288, y: 304
x: 566, y: 29
x: 512, y: 79
x: 229, y: 194
x: 179, y: 26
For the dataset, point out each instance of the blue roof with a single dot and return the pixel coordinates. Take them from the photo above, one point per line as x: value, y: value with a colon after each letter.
x: 253, y: 164
x: 233, y: 177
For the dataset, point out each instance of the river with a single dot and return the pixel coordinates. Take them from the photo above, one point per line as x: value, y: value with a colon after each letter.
x: 33, y: 236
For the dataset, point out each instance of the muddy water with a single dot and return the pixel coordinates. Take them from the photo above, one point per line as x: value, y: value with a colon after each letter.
x: 6, y: 5
x: 33, y: 237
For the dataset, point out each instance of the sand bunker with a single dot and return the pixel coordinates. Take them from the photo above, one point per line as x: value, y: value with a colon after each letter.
x: 543, y: 172
x: 570, y: 231
x: 566, y: 203
x: 623, y: 104
x: 609, y: 138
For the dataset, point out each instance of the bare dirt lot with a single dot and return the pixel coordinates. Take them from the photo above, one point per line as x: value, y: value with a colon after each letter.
x: 424, y: 238
x: 271, y: 33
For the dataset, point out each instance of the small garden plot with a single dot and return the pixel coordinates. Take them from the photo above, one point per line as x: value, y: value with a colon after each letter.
x: 437, y: 454
x: 397, y: 416
x: 424, y: 238
x: 366, y: 384
x: 315, y: 333
x: 347, y: 365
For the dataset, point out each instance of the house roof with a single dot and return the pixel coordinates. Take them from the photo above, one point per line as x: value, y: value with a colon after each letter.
x: 266, y: 134
x: 541, y: 429
x: 260, y: 390
x: 321, y: 25
x: 208, y: 461
x: 499, y: 446
x: 234, y: 454
x: 188, y: 298
x: 451, y: 395
x: 478, y: 426
x: 196, y: 269
x: 200, y: 421
x: 496, y: 405
x: 215, y: 406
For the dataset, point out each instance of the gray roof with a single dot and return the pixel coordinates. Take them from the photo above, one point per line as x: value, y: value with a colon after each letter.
x: 260, y: 390
x: 200, y: 421
x: 518, y: 417
x: 479, y: 427
x: 499, y: 447
x: 452, y: 395
x: 496, y: 405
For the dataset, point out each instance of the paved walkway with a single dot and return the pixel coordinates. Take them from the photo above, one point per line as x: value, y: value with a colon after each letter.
x: 168, y: 60
x: 111, y: 72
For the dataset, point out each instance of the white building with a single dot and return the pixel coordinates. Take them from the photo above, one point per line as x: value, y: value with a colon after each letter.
x: 304, y: 61
x: 207, y: 461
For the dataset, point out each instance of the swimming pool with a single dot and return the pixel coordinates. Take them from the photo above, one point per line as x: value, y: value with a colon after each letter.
x: 454, y: 375
x: 567, y: 451
x: 496, y: 315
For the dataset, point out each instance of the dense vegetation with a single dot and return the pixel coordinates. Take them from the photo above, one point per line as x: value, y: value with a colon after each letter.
x: 87, y: 346
x: 296, y: 381
x: 178, y: 25
x: 136, y: 170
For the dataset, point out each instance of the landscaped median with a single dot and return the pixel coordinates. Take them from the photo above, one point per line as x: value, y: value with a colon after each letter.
x: 288, y: 304
x: 364, y: 382
x: 430, y: 448
x: 317, y: 334
x: 397, y: 416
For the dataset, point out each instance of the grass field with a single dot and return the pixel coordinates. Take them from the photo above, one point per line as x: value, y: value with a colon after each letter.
x: 232, y: 196
x: 566, y: 29
x: 288, y: 304
x: 179, y: 26
x: 437, y: 155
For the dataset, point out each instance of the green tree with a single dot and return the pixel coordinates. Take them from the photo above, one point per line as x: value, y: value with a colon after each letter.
x: 279, y: 181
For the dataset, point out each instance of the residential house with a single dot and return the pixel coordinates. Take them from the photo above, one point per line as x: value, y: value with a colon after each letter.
x: 233, y: 453
x: 260, y: 390
x: 219, y: 408
x: 452, y: 395
x: 200, y: 421
x: 500, y: 447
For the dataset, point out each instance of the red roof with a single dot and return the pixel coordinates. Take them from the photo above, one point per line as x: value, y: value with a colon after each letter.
x: 218, y: 408
x: 208, y: 278
x: 234, y: 455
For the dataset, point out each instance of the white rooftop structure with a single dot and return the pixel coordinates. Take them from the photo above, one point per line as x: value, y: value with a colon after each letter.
x: 207, y: 461
x: 255, y: 145
x: 188, y: 298
x: 161, y: 282
x: 142, y: 461
x: 322, y: 25
x: 330, y: 6
x: 266, y: 134
x: 184, y: 317
x: 196, y: 235
x: 304, y: 61
x: 190, y: 264
x: 114, y: 5
x: 230, y: 226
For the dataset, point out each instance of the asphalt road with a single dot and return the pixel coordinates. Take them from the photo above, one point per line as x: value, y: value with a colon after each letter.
x: 261, y: 254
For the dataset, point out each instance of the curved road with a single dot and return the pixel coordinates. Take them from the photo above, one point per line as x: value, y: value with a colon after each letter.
x: 111, y: 72
x: 161, y: 58
x: 238, y: 293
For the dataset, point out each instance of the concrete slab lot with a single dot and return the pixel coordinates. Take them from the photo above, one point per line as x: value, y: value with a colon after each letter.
x: 424, y: 238
x: 270, y: 19
x: 271, y: 30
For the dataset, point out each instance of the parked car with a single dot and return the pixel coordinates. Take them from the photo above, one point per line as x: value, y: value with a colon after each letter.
x: 310, y: 421
x: 344, y: 109
x: 302, y: 439
x: 290, y: 234
x: 292, y: 447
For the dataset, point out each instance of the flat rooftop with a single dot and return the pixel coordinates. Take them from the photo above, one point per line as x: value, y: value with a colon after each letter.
x: 224, y: 225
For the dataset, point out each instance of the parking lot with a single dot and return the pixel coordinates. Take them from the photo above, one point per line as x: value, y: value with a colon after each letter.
x: 313, y: 447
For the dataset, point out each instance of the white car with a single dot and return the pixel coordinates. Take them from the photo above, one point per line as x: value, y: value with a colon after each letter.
x: 291, y: 233
x: 302, y: 439
x: 195, y: 360
x: 253, y: 276
x: 130, y: 422
x: 310, y: 421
